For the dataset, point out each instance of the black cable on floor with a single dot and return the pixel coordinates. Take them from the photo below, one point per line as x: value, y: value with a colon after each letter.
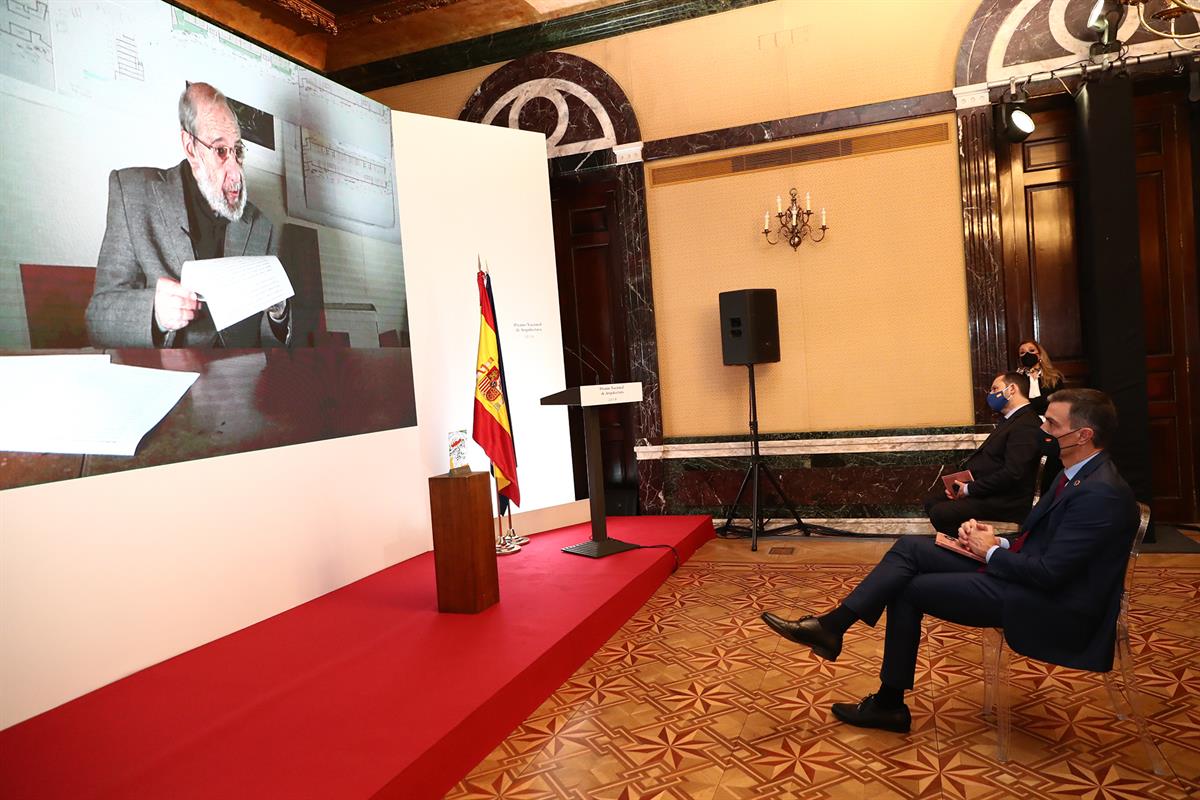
x: 674, y: 552
x: 820, y: 530
x: 799, y: 535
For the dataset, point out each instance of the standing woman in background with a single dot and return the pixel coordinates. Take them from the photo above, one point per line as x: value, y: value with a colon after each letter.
x: 1044, y: 377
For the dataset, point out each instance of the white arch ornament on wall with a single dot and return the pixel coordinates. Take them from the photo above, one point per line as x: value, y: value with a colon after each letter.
x: 1076, y: 48
x: 552, y: 89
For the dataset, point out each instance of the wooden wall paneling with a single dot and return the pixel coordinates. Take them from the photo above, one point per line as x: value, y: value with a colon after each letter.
x: 589, y: 242
x: 1053, y: 269
x: 1041, y: 259
x: 1167, y: 253
x: 1037, y: 183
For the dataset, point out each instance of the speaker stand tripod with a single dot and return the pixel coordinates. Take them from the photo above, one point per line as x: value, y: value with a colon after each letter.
x: 753, y: 472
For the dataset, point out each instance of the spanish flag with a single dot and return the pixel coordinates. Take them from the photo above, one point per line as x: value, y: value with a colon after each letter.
x: 492, y: 427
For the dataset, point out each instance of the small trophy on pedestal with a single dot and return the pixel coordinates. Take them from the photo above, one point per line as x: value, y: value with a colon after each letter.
x: 458, y: 452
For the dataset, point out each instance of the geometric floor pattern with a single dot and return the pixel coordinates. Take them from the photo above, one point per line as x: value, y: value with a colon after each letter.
x: 693, y: 699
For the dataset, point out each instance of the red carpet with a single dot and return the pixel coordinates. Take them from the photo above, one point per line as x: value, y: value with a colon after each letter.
x: 364, y: 692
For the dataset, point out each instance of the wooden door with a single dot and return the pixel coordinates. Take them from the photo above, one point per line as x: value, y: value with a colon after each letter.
x: 1037, y: 181
x: 1167, y: 249
x: 587, y: 244
x: 1041, y: 272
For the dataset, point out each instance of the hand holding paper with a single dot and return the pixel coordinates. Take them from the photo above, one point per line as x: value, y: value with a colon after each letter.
x: 174, y: 306
x: 234, y: 288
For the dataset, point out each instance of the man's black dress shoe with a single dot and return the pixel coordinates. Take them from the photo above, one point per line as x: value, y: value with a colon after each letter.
x: 806, y: 630
x: 869, y: 714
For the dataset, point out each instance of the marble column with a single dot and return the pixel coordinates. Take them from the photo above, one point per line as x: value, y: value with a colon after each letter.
x: 982, y: 250
x: 641, y: 333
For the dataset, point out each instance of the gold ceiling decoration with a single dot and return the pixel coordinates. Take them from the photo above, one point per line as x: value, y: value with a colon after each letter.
x: 1160, y: 18
x: 346, y: 15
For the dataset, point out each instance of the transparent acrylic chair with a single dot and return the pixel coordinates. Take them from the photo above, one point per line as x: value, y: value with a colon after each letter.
x: 1006, y: 528
x: 1122, y: 689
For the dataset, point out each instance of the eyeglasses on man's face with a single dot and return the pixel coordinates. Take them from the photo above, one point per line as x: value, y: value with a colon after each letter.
x: 223, y: 152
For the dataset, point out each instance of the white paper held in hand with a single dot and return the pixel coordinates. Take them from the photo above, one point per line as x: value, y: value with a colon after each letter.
x: 236, y: 287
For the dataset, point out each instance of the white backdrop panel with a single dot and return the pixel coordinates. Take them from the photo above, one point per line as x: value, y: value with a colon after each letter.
x: 470, y: 191
x: 101, y: 577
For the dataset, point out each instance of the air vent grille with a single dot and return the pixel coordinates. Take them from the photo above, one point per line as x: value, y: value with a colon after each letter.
x: 849, y: 146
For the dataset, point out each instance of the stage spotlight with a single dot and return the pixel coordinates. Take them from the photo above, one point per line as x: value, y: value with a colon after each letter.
x: 1104, y: 20
x: 1014, y: 119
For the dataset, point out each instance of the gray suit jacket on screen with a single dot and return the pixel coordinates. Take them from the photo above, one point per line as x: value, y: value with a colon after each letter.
x: 147, y: 238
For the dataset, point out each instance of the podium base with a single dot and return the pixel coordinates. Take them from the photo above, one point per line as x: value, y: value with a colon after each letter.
x: 600, y: 549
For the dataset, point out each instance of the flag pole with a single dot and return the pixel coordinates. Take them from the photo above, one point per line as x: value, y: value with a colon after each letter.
x: 505, y: 546
x: 491, y: 412
x: 513, y: 536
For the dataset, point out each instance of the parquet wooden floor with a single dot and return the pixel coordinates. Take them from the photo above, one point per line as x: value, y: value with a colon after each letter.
x: 694, y: 699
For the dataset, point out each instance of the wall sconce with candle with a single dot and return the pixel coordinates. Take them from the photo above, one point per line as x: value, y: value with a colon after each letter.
x: 793, y: 222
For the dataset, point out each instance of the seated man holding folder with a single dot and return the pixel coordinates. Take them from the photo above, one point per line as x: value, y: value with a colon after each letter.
x: 160, y: 218
x: 997, y: 480
x: 1055, y: 588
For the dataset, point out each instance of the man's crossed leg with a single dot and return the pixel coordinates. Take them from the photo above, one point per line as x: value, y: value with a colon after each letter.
x: 914, y: 578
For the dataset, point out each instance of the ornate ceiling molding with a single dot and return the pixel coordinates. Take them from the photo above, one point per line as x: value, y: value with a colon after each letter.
x: 388, y: 11
x: 332, y: 23
x: 313, y: 13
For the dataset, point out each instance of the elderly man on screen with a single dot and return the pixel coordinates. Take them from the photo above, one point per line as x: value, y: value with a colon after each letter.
x: 160, y: 218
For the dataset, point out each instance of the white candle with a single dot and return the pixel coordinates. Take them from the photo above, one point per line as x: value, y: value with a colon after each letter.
x: 793, y: 215
x: 766, y: 221
x: 779, y: 204
x: 808, y: 201
x: 822, y: 218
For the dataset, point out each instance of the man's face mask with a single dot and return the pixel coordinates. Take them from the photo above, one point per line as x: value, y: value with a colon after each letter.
x: 997, y: 401
x: 1050, y: 446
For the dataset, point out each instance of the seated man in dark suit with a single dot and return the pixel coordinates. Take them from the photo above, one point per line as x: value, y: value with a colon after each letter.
x: 1055, y: 588
x: 1004, y: 467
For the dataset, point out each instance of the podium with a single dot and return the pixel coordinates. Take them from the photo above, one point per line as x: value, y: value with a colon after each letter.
x: 589, y: 398
x: 464, y: 547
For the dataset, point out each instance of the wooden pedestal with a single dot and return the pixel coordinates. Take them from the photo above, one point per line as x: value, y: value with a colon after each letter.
x: 464, y: 546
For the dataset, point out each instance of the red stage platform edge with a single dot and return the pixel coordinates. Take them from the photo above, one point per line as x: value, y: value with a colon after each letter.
x: 364, y: 692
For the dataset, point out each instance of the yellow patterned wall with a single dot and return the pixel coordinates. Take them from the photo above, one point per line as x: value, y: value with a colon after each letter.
x: 873, y: 320
x: 763, y: 62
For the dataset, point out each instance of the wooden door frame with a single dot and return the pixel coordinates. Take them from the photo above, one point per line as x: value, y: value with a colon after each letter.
x: 1180, y: 242
x: 637, y: 298
x: 604, y: 136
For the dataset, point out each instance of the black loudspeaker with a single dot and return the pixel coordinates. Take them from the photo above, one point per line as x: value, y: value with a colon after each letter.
x: 749, y: 327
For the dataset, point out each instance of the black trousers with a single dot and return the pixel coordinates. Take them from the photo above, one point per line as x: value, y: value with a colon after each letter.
x: 915, y: 578
x: 946, y: 514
